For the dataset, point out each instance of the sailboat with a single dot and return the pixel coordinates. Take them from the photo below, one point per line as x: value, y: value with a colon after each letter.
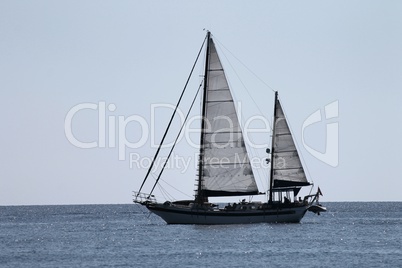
x: 222, y: 139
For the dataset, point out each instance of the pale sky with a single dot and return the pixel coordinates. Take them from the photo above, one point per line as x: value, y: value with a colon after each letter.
x: 55, y: 55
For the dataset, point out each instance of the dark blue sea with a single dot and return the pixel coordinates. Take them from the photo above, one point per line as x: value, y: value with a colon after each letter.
x: 348, y: 235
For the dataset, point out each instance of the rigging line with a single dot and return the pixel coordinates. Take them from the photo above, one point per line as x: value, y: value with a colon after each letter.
x: 273, y: 90
x: 171, y: 119
x: 166, y: 192
x: 170, y: 197
x: 162, y: 190
x: 176, y: 188
x: 178, y: 135
x: 241, y: 81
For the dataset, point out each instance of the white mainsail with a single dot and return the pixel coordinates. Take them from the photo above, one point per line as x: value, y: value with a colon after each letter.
x: 287, y: 167
x: 226, y: 168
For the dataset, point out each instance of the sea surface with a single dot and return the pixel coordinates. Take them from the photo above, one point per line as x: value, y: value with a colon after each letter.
x: 351, y: 234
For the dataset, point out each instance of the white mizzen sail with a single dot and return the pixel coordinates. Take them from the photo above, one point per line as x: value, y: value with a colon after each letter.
x: 287, y: 167
x: 226, y: 168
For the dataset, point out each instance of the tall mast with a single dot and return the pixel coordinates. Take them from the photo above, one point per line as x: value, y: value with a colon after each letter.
x: 271, y: 179
x: 199, y: 197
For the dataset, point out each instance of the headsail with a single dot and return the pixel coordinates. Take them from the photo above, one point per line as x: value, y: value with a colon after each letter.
x: 287, y: 167
x: 226, y: 168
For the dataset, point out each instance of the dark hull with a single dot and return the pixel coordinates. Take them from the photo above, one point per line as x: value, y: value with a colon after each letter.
x: 187, y: 215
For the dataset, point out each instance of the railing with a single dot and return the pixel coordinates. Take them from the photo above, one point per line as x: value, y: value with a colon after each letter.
x: 143, y: 198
